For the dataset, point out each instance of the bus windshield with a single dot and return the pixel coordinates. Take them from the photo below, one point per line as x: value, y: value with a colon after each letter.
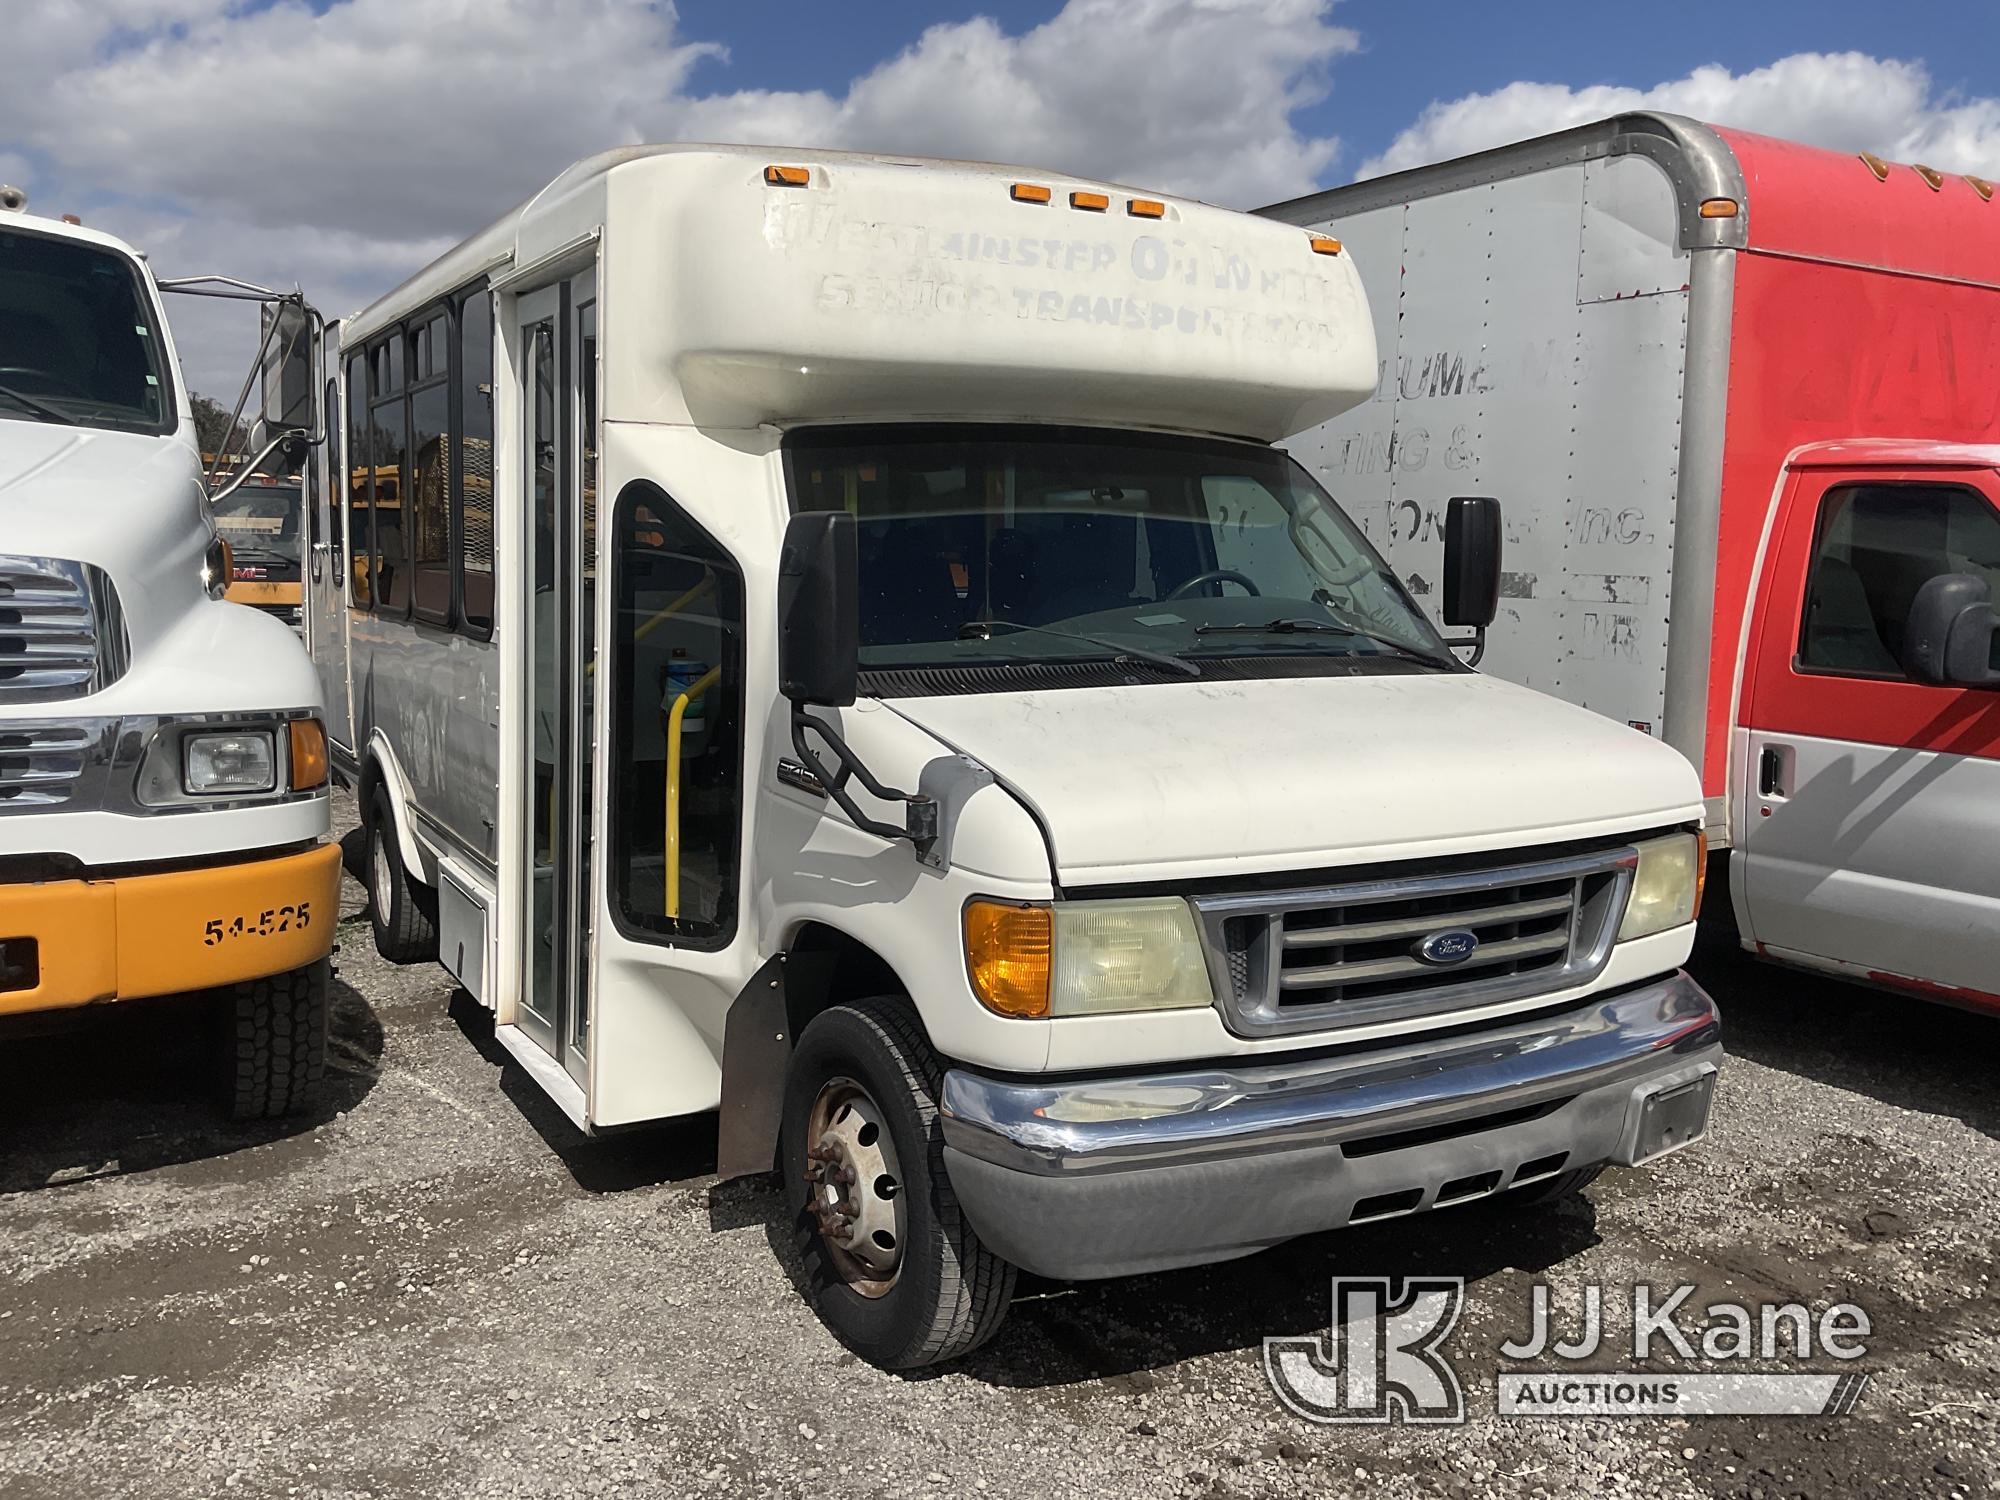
x: 260, y: 523
x: 1011, y: 545
x: 79, y: 343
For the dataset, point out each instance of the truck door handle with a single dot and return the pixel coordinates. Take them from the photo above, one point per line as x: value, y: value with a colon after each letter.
x: 1771, y: 772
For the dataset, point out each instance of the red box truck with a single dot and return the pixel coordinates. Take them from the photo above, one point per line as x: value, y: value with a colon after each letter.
x: 1740, y: 399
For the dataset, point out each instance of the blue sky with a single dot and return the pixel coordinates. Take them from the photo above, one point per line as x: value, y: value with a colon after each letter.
x: 340, y: 144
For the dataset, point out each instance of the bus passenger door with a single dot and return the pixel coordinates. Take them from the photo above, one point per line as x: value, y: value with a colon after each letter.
x: 556, y: 329
x: 1871, y: 800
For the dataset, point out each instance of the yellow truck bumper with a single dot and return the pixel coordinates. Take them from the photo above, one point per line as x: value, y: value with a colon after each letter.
x: 78, y: 942
x: 265, y: 595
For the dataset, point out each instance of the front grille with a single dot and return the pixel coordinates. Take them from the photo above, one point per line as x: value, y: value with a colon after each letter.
x: 41, y: 764
x: 1395, y: 948
x: 60, y: 632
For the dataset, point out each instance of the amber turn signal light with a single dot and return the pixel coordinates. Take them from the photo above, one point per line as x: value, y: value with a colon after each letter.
x: 1008, y: 954
x: 308, y: 755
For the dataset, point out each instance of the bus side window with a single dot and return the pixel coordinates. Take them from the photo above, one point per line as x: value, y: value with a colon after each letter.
x: 676, y: 707
x: 472, y: 473
x: 390, y: 451
x: 359, y: 528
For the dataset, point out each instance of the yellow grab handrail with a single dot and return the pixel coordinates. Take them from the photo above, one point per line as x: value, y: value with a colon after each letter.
x: 673, y: 832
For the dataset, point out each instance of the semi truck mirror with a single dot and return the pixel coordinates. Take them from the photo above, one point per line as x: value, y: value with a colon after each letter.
x: 1472, y: 561
x: 819, y: 617
x: 1948, y: 638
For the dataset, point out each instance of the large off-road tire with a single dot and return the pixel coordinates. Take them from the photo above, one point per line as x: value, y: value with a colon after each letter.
x: 861, y: 1132
x: 274, y: 1048
x: 402, y: 911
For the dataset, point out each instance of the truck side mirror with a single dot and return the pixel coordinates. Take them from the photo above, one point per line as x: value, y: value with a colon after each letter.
x: 1472, y: 561
x: 819, y: 616
x: 1948, y: 639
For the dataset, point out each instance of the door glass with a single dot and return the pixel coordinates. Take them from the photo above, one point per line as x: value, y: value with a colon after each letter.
x: 1877, y: 545
x: 585, y: 378
x: 545, y: 632
x: 676, y: 705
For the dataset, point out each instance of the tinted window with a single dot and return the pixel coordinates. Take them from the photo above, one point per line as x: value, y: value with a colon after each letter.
x: 1877, y: 545
x: 429, y: 524
x: 473, y: 492
x: 78, y: 340
x: 360, y: 560
x: 390, y: 451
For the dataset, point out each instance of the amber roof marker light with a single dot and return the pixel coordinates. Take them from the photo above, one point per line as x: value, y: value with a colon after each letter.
x: 1933, y: 178
x: 1325, y: 244
x: 1980, y: 186
x: 1094, y: 203
x: 787, y: 177
x: 1876, y: 165
x: 1146, y: 208
x: 1029, y: 192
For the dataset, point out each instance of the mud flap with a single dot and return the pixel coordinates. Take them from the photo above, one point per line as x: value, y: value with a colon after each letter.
x: 756, y: 1050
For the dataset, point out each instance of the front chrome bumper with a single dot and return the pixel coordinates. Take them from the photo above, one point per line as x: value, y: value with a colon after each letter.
x: 1083, y: 1178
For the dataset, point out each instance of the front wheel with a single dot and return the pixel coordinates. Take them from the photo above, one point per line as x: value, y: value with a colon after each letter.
x: 274, y: 1042
x: 895, y: 1271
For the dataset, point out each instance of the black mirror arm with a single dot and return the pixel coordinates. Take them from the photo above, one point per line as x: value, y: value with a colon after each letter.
x: 921, y: 818
x: 1476, y: 644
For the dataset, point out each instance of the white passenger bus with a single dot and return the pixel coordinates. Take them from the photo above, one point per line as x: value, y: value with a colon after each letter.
x: 828, y: 638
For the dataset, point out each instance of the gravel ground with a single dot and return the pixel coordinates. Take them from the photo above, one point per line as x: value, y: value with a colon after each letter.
x: 437, y: 1286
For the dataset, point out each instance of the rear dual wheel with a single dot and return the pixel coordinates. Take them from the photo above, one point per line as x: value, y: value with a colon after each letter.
x: 895, y: 1271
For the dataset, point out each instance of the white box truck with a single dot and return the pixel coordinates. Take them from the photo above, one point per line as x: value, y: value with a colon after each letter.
x: 829, y: 638
x: 1741, y: 401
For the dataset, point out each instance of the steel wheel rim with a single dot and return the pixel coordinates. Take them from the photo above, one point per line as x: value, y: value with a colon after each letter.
x: 854, y: 1187
x: 381, y: 879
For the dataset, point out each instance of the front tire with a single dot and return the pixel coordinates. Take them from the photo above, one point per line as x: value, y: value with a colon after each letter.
x: 896, y: 1273
x: 274, y: 1052
x: 403, y: 913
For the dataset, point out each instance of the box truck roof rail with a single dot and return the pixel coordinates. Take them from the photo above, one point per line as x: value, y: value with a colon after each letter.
x: 791, y: 286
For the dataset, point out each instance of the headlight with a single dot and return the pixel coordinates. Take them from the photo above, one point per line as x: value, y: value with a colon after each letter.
x: 1666, y: 888
x: 239, y: 762
x: 1085, y: 957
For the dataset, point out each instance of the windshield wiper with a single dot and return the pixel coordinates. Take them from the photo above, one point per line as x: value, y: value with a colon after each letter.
x: 36, y: 409
x: 1325, y: 627
x: 982, y: 630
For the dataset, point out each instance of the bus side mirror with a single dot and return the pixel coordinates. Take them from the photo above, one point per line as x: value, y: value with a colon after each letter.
x: 819, y: 616
x: 1948, y: 639
x: 1472, y: 561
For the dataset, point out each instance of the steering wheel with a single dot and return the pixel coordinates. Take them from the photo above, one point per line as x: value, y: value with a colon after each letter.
x: 1213, y: 575
x: 48, y: 375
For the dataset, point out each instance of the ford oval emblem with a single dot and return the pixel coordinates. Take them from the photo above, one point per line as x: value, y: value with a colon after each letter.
x: 1452, y: 946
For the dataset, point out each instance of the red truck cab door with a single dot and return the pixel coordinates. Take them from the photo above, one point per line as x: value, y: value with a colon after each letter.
x: 1869, y: 802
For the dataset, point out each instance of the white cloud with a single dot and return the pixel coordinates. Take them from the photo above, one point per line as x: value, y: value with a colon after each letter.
x: 1848, y: 101
x: 342, y: 149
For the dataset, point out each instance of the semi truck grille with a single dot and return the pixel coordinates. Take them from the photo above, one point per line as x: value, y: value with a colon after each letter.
x: 1396, y: 948
x: 41, y: 764
x: 61, y: 634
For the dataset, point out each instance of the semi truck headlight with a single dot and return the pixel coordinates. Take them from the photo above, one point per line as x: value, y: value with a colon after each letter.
x: 238, y: 762
x: 1082, y: 958
x: 1666, y: 888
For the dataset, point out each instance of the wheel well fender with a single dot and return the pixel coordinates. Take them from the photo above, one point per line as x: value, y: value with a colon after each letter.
x: 379, y: 769
x: 821, y: 967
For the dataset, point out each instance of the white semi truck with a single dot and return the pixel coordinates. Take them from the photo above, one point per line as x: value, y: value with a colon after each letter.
x: 163, y: 771
x: 829, y: 638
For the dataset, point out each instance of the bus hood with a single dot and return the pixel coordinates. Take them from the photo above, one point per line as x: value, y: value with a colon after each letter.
x: 1212, y: 779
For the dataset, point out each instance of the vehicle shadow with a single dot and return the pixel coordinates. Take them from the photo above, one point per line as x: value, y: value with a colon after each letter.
x: 1063, y: 1333
x: 1915, y: 1054
x: 614, y: 1161
x: 131, y: 1087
